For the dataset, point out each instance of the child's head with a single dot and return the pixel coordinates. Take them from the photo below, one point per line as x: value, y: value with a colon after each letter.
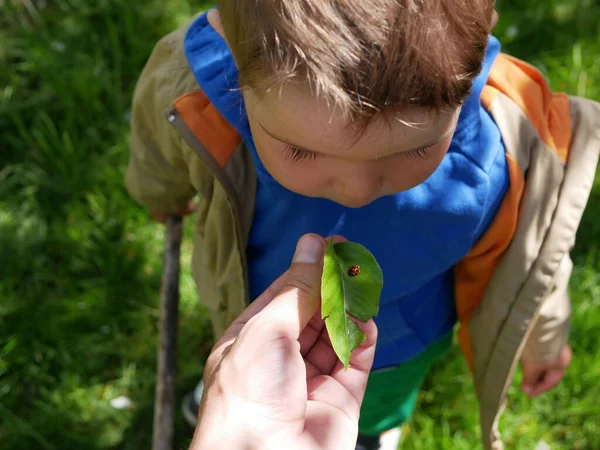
x: 355, y: 99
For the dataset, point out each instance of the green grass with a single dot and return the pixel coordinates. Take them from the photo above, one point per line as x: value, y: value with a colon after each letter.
x: 80, y: 262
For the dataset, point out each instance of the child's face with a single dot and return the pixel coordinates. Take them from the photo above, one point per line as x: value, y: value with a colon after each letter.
x: 311, y: 152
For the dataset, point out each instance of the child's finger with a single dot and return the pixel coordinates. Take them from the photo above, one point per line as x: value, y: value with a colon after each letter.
x: 190, y: 208
x: 550, y: 379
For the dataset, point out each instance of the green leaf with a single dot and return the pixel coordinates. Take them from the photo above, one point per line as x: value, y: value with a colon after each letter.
x: 343, y: 294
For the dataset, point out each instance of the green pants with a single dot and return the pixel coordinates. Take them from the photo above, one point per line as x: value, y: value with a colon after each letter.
x: 391, y: 394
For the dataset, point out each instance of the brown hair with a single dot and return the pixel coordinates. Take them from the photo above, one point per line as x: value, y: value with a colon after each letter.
x: 364, y: 56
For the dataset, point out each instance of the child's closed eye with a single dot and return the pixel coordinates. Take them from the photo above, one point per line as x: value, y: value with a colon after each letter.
x: 298, y: 154
x: 423, y: 152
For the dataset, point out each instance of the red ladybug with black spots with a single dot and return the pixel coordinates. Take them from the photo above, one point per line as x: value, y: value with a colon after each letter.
x: 354, y: 270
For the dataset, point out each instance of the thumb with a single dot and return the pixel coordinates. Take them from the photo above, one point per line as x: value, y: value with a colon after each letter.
x: 299, y: 298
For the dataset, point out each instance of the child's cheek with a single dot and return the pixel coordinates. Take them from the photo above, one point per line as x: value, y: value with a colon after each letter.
x: 411, y: 172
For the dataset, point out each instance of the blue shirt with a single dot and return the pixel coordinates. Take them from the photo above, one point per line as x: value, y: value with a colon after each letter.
x: 417, y: 236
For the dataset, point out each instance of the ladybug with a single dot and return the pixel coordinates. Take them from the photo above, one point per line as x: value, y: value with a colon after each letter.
x: 354, y: 270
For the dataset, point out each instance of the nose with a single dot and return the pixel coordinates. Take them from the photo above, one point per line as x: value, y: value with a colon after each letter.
x: 358, y: 189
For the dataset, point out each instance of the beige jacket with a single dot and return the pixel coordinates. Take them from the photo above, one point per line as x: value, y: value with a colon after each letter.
x: 512, y: 288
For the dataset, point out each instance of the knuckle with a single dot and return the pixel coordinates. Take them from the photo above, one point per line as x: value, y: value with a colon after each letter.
x: 273, y: 289
x: 301, y: 283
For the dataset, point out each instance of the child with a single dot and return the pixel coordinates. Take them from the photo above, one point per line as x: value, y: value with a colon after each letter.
x: 399, y: 125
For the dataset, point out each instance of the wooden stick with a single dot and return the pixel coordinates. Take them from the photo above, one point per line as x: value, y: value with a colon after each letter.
x: 164, y: 402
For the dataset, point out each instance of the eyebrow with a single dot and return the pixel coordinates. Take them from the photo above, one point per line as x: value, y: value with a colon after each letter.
x: 300, y: 147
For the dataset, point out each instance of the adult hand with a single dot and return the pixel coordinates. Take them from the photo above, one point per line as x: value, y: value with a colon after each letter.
x: 274, y: 381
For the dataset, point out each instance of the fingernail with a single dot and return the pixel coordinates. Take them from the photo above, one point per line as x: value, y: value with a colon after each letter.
x: 527, y: 389
x: 308, y: 250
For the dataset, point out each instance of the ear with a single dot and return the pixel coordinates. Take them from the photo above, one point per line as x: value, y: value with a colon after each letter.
x: 494, y: 19
x: 214, y: 18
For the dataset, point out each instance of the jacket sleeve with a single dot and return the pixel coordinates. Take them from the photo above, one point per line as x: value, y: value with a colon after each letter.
x: 157, y: 175
x: 550, y: 332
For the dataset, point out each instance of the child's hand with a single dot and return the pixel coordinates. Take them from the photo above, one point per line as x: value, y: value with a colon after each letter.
x: 189, y: 209
x: 541, y: 377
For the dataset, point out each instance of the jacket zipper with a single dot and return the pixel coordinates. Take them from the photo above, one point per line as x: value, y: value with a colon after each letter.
x: 173, y: 117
